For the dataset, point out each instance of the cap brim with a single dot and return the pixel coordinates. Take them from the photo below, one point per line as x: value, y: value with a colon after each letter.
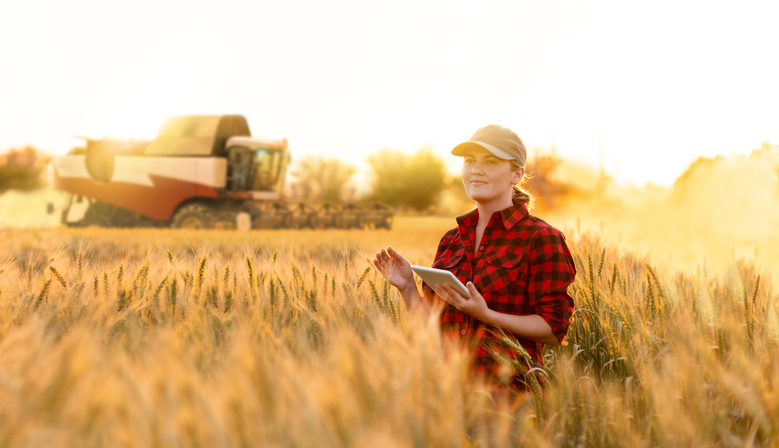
x: 463, y: 148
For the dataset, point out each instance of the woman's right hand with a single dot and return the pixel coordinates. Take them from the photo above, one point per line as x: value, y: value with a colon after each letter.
x: 394, y: 268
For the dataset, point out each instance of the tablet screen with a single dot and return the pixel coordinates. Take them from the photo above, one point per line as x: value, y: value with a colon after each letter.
x: 433, y: 277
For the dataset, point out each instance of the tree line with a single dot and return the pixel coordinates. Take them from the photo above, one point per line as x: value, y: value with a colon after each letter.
x: 22, y: 169
x: 409, y: 181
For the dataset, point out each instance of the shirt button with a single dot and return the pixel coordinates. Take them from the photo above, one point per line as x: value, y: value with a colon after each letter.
x: 463, y: 332
x: 481, y: 247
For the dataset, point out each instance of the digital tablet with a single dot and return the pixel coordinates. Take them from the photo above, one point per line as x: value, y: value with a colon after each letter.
x: 433, y: 277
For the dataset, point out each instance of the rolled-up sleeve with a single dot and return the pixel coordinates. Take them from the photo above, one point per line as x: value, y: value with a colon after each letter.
x: 551, y: 271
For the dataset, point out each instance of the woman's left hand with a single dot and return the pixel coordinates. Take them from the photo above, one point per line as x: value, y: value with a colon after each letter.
x: 476, y: 306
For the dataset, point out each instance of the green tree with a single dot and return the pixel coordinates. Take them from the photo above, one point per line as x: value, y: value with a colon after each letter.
x: 404, y: 180
x: 322, y: 179
x: 21, y: 169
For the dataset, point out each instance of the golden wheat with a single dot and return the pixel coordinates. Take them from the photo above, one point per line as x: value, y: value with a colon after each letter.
x: 289, y: 338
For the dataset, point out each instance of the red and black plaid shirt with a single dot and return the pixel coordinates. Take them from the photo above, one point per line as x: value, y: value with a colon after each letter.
x: 522, y: 267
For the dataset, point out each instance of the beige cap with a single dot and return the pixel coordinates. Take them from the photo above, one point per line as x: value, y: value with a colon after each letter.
x: 500, y: 141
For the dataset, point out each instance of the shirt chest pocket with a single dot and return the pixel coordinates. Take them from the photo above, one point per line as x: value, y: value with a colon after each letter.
x: 505, y: 273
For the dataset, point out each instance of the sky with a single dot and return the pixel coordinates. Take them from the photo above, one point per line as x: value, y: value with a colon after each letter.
x: 641, y: 89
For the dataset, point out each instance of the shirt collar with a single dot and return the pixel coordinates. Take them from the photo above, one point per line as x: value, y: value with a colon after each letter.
x: 509, y: 216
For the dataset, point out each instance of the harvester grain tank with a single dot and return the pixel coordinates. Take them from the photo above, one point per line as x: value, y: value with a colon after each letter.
x: 199, y: 172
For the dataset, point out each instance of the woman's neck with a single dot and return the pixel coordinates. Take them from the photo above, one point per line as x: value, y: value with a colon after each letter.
x: 486, y: 209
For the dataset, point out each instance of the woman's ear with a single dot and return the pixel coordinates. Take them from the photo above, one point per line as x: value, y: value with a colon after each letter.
x: 518, y: 175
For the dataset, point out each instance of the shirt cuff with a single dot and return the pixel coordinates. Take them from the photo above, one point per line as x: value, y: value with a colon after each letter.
x: 557, y: 312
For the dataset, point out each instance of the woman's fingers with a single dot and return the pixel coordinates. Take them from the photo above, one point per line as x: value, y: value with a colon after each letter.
x: 397, y: 256
x: 391, y: 263
x: 387, y: 255
x: 384, y: 260
x: 448, y: 295
x: 382, y: 255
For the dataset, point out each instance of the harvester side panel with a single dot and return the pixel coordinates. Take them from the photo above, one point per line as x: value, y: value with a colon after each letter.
x: 150, y: 186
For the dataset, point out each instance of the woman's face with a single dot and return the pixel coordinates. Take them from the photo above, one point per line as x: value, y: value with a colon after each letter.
x: 488, y: 178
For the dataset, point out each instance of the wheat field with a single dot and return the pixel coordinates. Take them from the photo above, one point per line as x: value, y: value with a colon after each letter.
x: 139, y: 338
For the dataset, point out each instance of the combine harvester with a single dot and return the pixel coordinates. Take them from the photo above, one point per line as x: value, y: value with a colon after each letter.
x: 201, y: 172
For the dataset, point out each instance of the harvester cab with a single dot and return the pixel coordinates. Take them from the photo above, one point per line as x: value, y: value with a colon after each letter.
x: 255, y: 165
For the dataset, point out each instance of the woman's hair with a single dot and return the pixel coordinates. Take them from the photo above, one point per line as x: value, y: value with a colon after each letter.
x: 520, y: 195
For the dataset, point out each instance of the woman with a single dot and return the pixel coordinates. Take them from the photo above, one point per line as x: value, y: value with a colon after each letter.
x: 516, y: 266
